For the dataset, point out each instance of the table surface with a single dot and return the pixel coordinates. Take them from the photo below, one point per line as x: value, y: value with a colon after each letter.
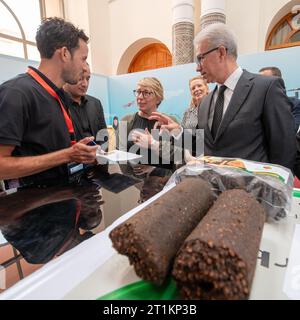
x: 43, y: 223
x: 87, y: 267
x: 268, y: 281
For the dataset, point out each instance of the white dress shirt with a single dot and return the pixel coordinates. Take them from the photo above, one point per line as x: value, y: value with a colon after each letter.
x: 230, y: 83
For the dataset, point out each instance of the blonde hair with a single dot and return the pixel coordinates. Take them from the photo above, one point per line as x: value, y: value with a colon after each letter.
x: 204, y: 82
x: 155, y: 85
x: 199, y: 78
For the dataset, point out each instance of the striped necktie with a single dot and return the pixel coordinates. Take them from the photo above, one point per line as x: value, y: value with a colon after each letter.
x: 218, y: 113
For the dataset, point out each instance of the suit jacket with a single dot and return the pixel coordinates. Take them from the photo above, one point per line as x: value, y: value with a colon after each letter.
x: 258, y: 124
x: 295, y: 105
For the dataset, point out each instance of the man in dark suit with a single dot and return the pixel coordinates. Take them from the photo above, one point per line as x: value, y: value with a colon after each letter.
x: 86, y: 111
x: 247, y: 115
x: 295, y: 103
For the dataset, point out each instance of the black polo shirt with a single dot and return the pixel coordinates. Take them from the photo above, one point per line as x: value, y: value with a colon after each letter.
x: 32, y: 121
x: 88, y: 118
x: 80, y: 118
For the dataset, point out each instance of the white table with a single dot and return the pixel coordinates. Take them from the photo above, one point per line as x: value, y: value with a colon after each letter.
x: 93, y: 268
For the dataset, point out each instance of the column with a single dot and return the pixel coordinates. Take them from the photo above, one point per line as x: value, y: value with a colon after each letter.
x: 183, y: 31
x: 212, y: 11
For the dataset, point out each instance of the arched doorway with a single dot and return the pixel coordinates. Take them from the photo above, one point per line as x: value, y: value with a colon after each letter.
x: 153, y: 56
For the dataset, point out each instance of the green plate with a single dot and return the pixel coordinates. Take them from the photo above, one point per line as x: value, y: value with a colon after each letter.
x: 143, y: 290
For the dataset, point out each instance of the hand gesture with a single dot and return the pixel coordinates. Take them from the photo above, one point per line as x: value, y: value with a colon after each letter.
x: 142, y: 139
x: 163, y: 122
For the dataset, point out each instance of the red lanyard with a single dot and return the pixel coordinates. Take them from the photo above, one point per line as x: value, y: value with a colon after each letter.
x: 45, y: 85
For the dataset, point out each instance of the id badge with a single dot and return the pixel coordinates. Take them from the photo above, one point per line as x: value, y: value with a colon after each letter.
x: 75, y: 171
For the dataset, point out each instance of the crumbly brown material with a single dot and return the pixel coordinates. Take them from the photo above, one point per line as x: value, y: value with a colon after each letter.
x: 152, y: 237
x: 218, y: 259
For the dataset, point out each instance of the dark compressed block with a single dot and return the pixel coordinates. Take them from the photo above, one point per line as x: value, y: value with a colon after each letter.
x: 152, y: 237
x: 218, y: 259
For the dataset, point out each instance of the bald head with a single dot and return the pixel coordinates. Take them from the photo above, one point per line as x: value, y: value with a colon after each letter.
x: 271, y: 71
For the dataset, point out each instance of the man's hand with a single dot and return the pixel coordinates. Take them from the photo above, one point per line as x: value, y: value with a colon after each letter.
x: 82, y: 153
x: 12, y: 167
x: 163, y: 122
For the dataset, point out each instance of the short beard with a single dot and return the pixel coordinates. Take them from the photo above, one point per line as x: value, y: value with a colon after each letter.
x: 68, y: 79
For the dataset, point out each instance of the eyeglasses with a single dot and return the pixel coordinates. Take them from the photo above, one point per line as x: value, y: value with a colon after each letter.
x: 145, y: 93
x: 200, y: 57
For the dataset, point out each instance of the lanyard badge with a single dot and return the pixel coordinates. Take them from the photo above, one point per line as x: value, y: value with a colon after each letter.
x: 45, y: 85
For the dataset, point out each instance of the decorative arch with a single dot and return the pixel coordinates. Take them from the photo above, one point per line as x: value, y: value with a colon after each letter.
x: 284, y: 30
x: 139, y: 48
x: 153, y: 56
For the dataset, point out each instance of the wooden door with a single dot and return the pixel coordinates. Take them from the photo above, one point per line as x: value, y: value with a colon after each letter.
x: 153, y: 56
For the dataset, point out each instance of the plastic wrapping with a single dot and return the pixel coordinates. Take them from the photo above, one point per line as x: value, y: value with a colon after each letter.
x: 271, y: 185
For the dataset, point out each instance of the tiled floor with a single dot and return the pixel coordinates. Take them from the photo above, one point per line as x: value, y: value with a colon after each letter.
x: 12, y: 275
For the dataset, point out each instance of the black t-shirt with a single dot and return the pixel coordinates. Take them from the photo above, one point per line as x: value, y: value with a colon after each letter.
x: 88, y: 118
x: 80, y: 118
x: 32, y: 121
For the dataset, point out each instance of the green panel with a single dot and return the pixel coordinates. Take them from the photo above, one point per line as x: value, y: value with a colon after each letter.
x: 143, y: 290
x: 296, y: 193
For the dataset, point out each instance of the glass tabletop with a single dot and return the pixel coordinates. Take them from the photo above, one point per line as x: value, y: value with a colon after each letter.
x: 39, y: 224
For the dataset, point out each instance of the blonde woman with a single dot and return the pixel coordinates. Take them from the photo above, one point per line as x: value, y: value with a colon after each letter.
x: 199, y: 89
x: 149, y: 94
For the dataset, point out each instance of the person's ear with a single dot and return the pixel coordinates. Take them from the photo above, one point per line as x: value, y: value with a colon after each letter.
x: 64, y: 53
x: 222, y: 51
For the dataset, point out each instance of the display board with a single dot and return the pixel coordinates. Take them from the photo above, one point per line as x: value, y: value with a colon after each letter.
x: 115, y: 92
x: 11, y: 66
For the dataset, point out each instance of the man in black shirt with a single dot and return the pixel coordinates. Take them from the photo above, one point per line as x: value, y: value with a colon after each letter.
x: 36, y: 133
x: 86, y: 111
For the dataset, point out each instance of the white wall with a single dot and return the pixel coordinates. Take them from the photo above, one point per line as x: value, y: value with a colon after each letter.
x: 77, y: 12
x: 118, y: 29
x: 113, y: 26
x: 250, y: 21
x: 53, y: 8
x: 131, y: 20
x: 93, y: 16
x: 100, y: 36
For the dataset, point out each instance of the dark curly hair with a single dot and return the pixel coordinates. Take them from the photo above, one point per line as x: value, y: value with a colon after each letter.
x: 55, y: 33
